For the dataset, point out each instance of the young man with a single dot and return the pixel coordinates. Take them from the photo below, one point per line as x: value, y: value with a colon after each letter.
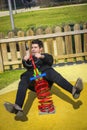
x: 44, y: 63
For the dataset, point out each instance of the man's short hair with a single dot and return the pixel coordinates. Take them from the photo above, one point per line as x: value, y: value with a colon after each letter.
x: 37, y: 41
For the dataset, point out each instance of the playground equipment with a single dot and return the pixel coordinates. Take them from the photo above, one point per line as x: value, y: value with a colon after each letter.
x: 43, y: 91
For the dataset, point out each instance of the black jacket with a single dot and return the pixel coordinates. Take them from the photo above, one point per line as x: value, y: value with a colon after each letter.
x: 41, y: 64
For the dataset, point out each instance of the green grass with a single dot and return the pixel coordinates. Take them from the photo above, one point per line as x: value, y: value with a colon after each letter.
x: 9, y: 77
x: 42, y: 18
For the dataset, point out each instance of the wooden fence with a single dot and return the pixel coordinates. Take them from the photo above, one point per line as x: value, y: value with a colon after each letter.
x: 66, y: 44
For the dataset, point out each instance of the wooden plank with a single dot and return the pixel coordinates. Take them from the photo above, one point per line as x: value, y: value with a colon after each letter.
x: 85, y: 40
x: 30, y: 32
x: 45, y: 46
x: 55, y: 47
x: 71, y: 55
x: 22, y: 44
x: 60, y: 48
x: 1, y: 61
x: 12, y: 62
x: 13, y: 50
x: 18, y: 55
x: 53, y: 35
x: 57, y: 57
x: 77, y: 38
x: 5, y: 55
x: 39, y: 31
x: 1, y: 57
x: 49, y: 41
x: 68, y: 43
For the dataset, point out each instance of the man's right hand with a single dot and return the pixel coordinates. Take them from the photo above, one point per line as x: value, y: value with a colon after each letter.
x: 27, y: 56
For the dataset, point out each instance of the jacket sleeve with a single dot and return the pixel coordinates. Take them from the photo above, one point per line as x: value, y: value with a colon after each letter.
x: 27, y: 64
x: 48, y: 59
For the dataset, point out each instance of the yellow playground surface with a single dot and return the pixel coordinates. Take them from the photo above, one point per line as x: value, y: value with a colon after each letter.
x: 70, y: 114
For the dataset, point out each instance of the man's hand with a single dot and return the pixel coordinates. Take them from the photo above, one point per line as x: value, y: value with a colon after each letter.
x: 27, y: 56
x: 38, y: 55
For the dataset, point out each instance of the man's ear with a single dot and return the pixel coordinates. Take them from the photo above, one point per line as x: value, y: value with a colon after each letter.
x: 41, y: 49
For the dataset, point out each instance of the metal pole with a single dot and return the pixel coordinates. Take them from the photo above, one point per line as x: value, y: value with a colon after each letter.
x: 15, y: 6
x: 11, y: 14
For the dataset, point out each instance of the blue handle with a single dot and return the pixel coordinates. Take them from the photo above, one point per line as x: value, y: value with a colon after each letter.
x: 38, y: 76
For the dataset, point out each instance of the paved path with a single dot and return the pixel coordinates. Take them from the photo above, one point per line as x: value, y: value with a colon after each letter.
x: 5, y: 13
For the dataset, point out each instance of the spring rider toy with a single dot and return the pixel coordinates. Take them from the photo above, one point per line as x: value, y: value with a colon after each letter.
x: 43, y: 91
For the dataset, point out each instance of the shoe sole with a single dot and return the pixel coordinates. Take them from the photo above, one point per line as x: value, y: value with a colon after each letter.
x: 79, y: 86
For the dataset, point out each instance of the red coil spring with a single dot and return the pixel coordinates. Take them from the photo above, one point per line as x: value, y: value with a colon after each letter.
x: 43, y: 93
x: 44, y: 96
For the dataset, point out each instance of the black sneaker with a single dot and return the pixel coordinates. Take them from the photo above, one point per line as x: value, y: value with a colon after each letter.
x: 12, y: 108
x: 9, y: 107
x: 77, y: 88
x: 19, y: 114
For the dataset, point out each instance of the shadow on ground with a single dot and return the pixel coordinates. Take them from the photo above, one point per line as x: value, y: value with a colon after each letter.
x: 54, y: 91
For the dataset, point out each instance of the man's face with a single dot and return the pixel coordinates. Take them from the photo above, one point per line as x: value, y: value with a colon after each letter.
x: 35, y: 49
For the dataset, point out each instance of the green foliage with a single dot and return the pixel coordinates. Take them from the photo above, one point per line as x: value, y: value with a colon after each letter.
x: 47, y: 17
x: 9, y: 77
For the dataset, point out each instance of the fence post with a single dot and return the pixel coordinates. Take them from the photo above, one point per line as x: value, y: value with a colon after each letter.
x: 1, y: 61
x: 22, y: 44
x: 49, y: 41
x: 68, y: 43
x: 13, y: 50
x: 60, y: 45
x: 1, y: 57
x: 85, y: 40
x: 30, y: 32
x: 78, y: 44
x: 39, y: 31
